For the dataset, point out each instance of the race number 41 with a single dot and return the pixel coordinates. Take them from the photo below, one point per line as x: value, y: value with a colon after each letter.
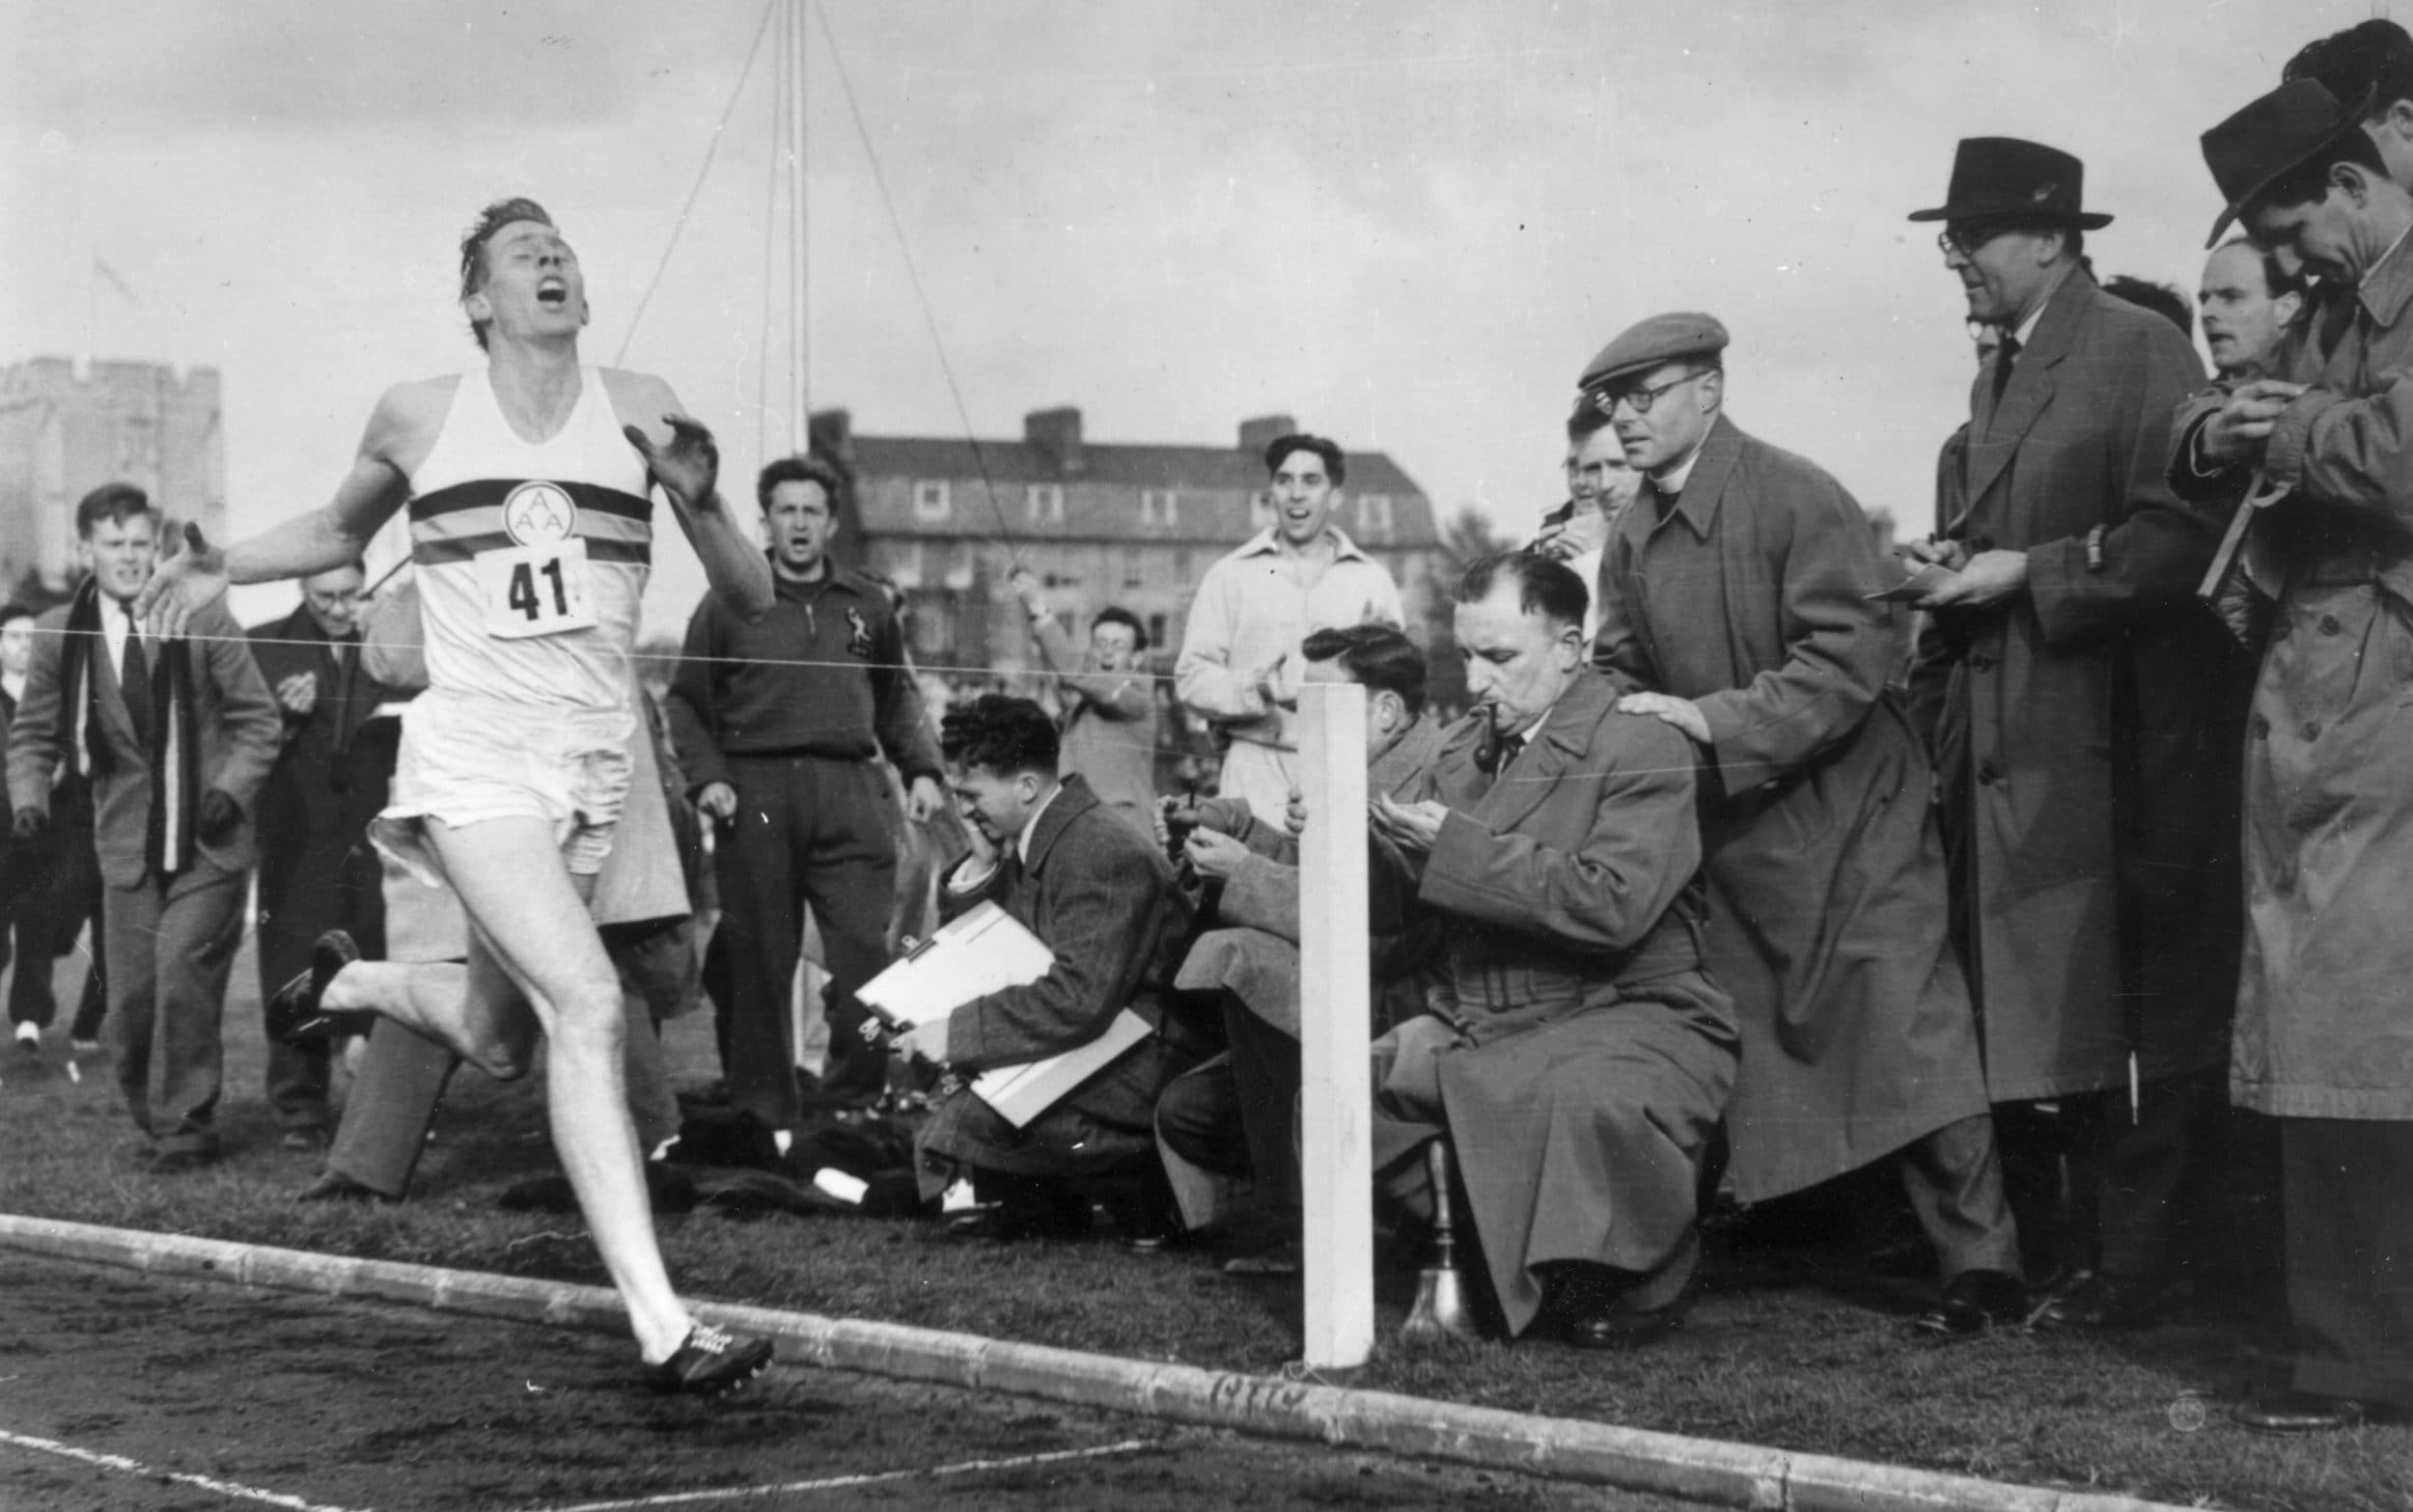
x: 532, y: 591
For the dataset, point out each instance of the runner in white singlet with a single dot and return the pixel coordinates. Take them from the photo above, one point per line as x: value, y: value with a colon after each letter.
x: 529, y: 487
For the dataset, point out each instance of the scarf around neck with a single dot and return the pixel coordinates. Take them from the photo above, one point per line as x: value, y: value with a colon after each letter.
x: 175, y: 753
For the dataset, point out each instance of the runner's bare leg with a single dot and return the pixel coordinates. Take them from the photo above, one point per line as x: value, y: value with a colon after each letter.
x: 474, y: 1009
x: 530, y: 921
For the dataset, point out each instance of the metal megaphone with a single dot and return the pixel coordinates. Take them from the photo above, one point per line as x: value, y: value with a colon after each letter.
x: 1440, y: 1310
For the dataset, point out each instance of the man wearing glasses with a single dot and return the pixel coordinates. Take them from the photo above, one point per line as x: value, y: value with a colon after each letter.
x: 2089, y: 724
x: 1737, y: 606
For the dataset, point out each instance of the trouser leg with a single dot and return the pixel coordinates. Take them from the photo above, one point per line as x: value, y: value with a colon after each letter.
x: 1265, y: 1076
x: 1954, y: 1177
x: 760, y: 921
x: 849, y: 878
x: 653, y: 1107
x: 2350, y: 1256
x: 78, y: 897
x: 200, y: 927
x: 2149, y: 1170
x: 129, y: 937
x: 25, y: 930
x: 1199, y: 1120
x: 300, y: 899
x: 394, y: 1100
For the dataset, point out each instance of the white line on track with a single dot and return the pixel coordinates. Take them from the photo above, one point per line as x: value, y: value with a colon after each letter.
x: 119, y: 1462
x: 837, y: 1482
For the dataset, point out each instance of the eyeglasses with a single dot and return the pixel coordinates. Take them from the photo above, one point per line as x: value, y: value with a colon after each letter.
x: 1965, y: 239
x: 1640, y: 399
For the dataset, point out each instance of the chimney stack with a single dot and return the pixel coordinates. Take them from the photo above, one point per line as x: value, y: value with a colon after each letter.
x: 1264, y: 432
x: 1058, y: 433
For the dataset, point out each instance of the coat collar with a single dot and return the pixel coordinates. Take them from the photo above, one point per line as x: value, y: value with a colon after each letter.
x: 1073, y: 800
x: 2389, y: 285
x: 1263, y: 544
x: 1396, y: 770
x: 1697, y: 504
x: 2031, y: 381
x: 1557, y: 747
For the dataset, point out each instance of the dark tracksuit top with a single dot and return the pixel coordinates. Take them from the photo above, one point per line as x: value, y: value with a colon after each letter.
x: 822, y: 674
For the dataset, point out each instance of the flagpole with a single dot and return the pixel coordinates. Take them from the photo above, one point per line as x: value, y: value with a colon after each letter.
x: 800, y: 388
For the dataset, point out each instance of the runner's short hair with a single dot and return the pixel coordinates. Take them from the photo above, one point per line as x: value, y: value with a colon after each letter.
x: 493, y: 218
x: 1005, y: 734
x: 1380, y: 656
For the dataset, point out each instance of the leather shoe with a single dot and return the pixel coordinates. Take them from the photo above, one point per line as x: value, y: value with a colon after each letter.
x: 182, y: 1161
x: 1975, y: 1302
x: 1614, y: 1329
x: 2297, y: 1412
x: 2102, y: 1300
x: 1007, y: 1222
x: 336, y: 1187
x: 293, y: 1016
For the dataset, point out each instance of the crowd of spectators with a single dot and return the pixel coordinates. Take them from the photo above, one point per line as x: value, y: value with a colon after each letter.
x: 2056, y: 881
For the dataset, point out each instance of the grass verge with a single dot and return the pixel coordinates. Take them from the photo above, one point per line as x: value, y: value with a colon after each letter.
x: 1793, y: 1349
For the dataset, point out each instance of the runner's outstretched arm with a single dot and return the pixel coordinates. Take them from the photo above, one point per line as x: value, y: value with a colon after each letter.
x: 687, y: 467
x: 324, y: 539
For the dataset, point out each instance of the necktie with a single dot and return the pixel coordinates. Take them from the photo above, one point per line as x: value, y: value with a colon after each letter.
x: 2003, y: 359
x: 134, y: 682
x: 347, y: 654
x: 1509, y: 748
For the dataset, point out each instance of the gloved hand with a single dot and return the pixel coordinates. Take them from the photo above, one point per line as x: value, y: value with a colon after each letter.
x: 219, y: 814
x: 29, y: 823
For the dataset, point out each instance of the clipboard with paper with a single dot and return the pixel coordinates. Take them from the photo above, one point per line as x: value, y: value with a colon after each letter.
x: 983, y: 950
x: 980, y: 951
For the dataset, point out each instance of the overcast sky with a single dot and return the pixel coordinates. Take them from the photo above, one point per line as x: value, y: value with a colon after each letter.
x: 1408, y: 224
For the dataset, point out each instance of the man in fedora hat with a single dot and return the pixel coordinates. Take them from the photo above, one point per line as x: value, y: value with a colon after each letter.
x: 2083, y: 731
x: 2322, y: 1039
x: 1737, y: 606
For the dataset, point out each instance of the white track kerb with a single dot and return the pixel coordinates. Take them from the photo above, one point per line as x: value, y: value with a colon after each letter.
x: 1696, y: 1470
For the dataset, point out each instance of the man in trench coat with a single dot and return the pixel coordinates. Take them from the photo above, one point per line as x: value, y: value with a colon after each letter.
x: 1737, y: 606
x: 1579, y: 1057
x: 2324, y: 1022
x: 2088, y: 721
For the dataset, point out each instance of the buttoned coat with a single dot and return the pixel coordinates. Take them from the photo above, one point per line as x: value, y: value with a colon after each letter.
x: 238, y: 720
x: 1579, y: 1056
x: 2088, y: 728
x: 1102, y: 898
x: 2325, y: 1021
x: 1749, y: 595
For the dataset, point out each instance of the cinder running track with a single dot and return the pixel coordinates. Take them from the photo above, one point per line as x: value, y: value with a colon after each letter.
x: 125, y: 1393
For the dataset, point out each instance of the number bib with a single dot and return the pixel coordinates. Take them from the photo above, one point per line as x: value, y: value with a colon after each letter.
x: 532, y: 591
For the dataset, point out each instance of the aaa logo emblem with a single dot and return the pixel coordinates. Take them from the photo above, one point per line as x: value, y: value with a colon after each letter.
x: 540, y: 513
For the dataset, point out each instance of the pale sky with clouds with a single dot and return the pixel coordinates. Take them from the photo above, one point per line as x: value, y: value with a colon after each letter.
x: 1408, y: 224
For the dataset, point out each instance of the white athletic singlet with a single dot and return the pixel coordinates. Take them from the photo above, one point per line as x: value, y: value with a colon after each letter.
x: 532, y: 557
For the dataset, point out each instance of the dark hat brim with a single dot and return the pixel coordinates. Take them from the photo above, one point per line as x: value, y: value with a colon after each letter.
x: 2352, y: 122
x: 2088, y: 220
x: 1595, y: 381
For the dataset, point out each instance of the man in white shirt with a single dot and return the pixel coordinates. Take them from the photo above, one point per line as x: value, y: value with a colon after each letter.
x: 1240, y: 663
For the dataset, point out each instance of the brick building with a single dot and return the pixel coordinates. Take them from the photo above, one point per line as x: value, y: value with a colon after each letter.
x: 64, y: 432
x: 1112, y: 523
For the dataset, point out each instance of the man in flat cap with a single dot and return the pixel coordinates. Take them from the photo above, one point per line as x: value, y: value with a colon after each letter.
x: 1736, y: 606
x: 2087, y: 723
x: 2324, y: 1032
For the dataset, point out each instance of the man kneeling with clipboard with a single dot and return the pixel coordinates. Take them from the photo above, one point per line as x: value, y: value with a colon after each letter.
x: 1102, y: 899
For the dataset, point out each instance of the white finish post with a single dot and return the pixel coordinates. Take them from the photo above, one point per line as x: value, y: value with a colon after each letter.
x: 1336, y: 1095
